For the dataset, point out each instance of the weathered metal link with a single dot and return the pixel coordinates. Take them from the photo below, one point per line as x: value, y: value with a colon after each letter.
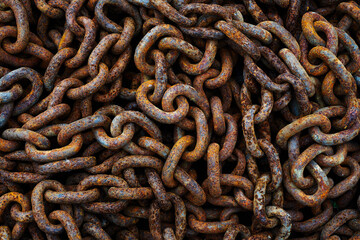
x: 32, y: 96
x: 338, y: 220
x: 56, y: 153
x: 297, y: 69
x: 110, y: 25
x: 146, y: 43
x: 247, y: 46
x: 102, y: 180
x: 321, y: 179
x: 297, y: 126
x: 179, y: 119
x: 22, y: 24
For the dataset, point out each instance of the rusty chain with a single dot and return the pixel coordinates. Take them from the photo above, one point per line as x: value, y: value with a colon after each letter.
x: 154, y: 119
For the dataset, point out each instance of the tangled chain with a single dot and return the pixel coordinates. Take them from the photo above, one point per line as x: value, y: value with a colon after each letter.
x: 155, y: 119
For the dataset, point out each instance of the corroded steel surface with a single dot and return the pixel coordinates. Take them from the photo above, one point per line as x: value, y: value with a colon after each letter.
x: 155, y: 119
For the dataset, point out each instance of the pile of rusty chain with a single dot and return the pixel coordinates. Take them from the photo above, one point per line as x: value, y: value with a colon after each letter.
x: 155, y: 119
